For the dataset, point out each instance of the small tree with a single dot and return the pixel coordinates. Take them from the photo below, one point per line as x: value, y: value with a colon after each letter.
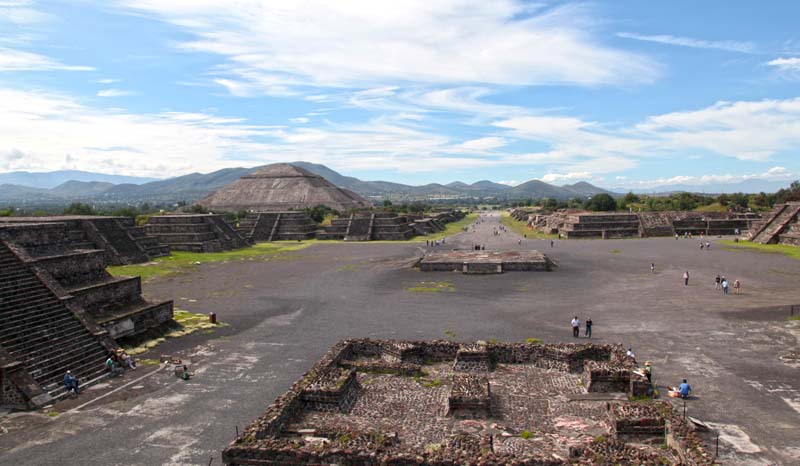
x: 601, y: 203
x: 76, y: 208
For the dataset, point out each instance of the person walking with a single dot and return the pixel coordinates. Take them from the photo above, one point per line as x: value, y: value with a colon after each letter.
x: 652, y: 267
x: 736, y: 286
x: 552, y: 243
x: 588, y: 332
x: 686, y: 278
x: 717, y: 282
x: 724, y: 285
x: 648, y: 371
x: 576, y: 327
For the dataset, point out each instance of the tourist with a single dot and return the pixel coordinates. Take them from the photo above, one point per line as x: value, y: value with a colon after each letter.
x: 588, y: 333
x: 648, y: 371
x: 708, y: 246
x: 685, y: 389
x: 112, y: 366
x: 686, y: 278
x: 724, y: 285
x: 717, y: 282
x: 702, y: 245
x: 576, y: 327
x: 71, y: 383
x: 652, y: 267
x: 736, y: 286
x: 630, y: 354
x: 676, y: 237
x: 125, y: 359
x: 552, y: 243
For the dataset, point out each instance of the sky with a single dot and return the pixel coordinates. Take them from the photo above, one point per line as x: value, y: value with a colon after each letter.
x: 620, y: 93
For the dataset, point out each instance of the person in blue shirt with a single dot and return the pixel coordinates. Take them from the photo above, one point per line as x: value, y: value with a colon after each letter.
x: 685, y: 389
x: 71, y: 383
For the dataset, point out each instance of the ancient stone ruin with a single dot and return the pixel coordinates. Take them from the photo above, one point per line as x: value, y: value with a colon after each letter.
x: 275, y: 226
x: 120, y: 239
x: 485, y: 262
x: 195, y: 232
x: 370, y: 402
x: 368, y: 226
x: 59, y: 310
x: 779, y: 226
x: 282, y: 187
x: 573, y: 224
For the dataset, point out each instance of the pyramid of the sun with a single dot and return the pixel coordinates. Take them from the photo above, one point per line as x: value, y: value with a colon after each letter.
x: 281, y: 187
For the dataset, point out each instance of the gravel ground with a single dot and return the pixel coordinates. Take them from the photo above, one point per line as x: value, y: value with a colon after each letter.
x: 284, y: 314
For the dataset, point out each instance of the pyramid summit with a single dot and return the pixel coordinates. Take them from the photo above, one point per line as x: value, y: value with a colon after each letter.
x: 281, y: 187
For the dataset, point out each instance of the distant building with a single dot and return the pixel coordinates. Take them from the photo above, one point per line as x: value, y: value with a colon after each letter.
x: 282, y: 187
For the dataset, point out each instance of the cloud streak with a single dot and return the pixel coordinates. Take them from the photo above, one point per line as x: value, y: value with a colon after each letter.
x: 666, y: 39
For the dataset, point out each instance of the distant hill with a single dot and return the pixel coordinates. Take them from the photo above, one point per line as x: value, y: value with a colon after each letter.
x: 77, y: 189
x: 49, y: 180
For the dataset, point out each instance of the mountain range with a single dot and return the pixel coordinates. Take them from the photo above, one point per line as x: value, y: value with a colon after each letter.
x: 32, y: 188
x: 27, y: 188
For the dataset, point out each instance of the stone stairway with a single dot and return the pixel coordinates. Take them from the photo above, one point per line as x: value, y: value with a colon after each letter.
x: 775, y: 224
x: 39, y: 331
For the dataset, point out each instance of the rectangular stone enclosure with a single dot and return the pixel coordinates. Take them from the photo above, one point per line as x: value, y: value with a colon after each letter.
x: 485, y: 262
x: 385, y: 402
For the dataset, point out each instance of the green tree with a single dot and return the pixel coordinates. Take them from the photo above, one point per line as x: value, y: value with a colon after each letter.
x: 601, y: 203
x: 76, y: 208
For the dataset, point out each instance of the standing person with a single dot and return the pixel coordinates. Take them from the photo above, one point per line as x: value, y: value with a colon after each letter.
x: 686, y: 278
x: 724, y: 285
x: 588, y: 333
x: 736, y: 286
x: 652, y: 267
x: 702, y: 245
x: 630, y: 354
x: 717, y: 282
x: 553, y: 242
x: 708, y: 246
x: 576, y: 327
x: 648, y: 371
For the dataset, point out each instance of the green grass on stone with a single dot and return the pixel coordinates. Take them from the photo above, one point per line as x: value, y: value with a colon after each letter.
x: 450, y: 229
x: 179, y: 261
x: 521, y: 228
x: 185, y: 323
x: 432, y: 287
x: 785, y: 249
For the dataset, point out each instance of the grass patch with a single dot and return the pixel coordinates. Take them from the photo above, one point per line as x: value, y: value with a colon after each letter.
x: 715, y: 207
x: 354, y: 267
x: 430, y: 383
x: 450, y: 229
x: 615, y: 251
x: 185, y: 323
x: 52, y: 413
x: 533, y: 341
x: 793, y: 318
x: 521, y: 228
x: 147, y: 362
x: 180, y: 262
x: 785, y: 249
x: 526, y: 434
x: 450, y: 334
x: 432, y: 287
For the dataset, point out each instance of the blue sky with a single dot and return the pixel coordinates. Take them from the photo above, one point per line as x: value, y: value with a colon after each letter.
x: 624, y: 94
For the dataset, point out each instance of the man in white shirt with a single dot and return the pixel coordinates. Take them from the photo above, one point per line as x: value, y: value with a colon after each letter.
x: 576, y: 327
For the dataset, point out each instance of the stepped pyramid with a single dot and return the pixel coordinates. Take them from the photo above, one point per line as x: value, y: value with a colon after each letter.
x: 279, y: 188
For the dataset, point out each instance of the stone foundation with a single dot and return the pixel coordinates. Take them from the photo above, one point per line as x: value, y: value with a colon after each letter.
x: 485, y: 262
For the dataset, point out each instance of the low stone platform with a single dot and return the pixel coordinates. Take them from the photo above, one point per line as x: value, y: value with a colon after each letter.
x: 485, y: 262
x: 360, y: 405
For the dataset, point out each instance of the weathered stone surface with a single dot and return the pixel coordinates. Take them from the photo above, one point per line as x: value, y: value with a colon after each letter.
x: 517, y: 413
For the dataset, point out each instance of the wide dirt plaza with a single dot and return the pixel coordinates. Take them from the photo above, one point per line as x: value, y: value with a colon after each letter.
x: 284, y: 313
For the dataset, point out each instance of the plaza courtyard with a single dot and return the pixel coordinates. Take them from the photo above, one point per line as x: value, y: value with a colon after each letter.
x: 284, y: 312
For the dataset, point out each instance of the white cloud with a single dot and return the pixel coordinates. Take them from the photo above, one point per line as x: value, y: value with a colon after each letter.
x: 276, y: 46
x: 565, y: 178
x: 773, y: 174
x: 114, y: 93
x: 484, y: 144
x: 789, y: 66
x: 727, y: 45
x: 18, y: 60
x: 106, y: 81
x: 509, y: 182
x: 299, y: 120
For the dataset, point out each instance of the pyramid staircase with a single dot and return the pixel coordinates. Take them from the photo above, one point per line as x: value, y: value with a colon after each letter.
x: 195, y: 233
x: 776, y: 223
x: 40, y: 333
